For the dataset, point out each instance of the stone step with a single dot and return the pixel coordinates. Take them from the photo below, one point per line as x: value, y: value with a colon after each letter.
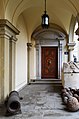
x: 46, y: 81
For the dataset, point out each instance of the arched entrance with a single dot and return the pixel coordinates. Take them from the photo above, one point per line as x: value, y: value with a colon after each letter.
x: 48, y: 44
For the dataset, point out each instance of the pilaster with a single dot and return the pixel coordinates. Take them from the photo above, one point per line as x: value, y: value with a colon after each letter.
x: 60, y: 60
x: 71, y: 48
x: 7, y: 57
x: 29, y: 46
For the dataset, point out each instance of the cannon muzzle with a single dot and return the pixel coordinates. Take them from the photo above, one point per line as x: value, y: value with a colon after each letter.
x: 13, y: 103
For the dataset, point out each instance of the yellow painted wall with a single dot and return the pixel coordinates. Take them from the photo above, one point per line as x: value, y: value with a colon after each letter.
x: 21, y: 55
x: 2, y: 9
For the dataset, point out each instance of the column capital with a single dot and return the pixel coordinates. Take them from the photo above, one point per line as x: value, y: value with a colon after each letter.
x: 71, y: 45
x: 8, y: 30
x: 29, y: 45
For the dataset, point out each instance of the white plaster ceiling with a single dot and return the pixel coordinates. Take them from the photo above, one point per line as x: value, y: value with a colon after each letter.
x: 59, y: 11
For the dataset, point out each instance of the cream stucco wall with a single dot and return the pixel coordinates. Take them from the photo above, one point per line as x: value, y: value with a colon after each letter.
x: 21, y: 55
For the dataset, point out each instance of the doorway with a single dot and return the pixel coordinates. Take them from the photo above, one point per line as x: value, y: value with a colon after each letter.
x: 49, y: 62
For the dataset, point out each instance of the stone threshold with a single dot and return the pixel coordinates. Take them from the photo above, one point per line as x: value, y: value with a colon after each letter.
x: 46, y: 81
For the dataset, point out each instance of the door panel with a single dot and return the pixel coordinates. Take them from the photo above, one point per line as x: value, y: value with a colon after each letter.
x: 49, y: 62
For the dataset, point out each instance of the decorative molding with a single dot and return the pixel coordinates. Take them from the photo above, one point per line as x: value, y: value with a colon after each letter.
x: 29, y: 45
x: 7, y: 30
x: 6, y: 23
x: 49, y: 43
x: 12, y: 39
x: 71, y: 45
x: 53, y: 32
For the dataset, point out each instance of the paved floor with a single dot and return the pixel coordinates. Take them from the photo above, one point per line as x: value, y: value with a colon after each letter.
x: 41, y: 102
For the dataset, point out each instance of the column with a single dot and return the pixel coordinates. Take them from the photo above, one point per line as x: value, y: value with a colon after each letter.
x: 29, y: 46
x: 38, y: 63
x: 60, y: 59
x: 7, y: 58
x: 71, y: 48
x: 12, y: 56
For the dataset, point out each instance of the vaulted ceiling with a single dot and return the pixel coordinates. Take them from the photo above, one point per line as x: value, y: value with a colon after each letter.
x: 59, y: 11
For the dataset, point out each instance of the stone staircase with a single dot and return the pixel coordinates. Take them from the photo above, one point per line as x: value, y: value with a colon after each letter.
x: 56, y: 82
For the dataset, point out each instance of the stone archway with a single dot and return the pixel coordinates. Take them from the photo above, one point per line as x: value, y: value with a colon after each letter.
x: 51, y: 37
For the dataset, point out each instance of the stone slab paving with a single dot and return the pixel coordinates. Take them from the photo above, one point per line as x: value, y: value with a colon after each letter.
x: 41, y: 102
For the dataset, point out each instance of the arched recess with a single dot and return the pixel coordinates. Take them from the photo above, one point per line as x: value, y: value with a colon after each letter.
x: 53, y: 28
x: 51, y: 37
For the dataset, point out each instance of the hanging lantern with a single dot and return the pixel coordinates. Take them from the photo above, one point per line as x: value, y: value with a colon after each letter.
x: 45, y: 19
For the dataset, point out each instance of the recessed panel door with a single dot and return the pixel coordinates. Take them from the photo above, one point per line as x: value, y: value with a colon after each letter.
x: 49, y: 62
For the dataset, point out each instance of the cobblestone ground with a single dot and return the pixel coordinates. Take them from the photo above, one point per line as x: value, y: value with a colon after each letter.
x: 41, y: 102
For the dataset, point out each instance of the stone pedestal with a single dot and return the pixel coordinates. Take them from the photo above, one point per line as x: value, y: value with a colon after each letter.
x: 7, y: 57
x: 71, y: 75
x: 71, y: 80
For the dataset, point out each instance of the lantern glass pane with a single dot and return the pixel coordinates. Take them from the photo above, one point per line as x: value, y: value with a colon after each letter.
x: 46, y: 20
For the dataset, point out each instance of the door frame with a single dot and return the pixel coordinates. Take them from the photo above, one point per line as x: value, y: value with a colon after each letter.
x: 48, y: 43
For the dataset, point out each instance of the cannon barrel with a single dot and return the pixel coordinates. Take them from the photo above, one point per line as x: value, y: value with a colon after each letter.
x: 13, y: 103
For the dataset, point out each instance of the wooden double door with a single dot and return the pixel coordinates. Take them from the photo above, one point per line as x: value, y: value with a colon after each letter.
x: 49, y: 62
